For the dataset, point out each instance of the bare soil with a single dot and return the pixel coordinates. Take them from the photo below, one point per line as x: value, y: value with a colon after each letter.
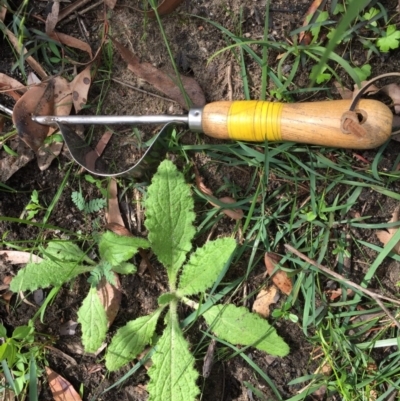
x: 193, y: 41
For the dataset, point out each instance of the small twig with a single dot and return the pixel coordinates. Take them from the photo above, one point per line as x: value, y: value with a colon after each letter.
x: 78, y: 13
x: 143, y: 91
x: 376, y: 297
x: 70, y: 9
x: 82, y: 27
x: 229, y: 81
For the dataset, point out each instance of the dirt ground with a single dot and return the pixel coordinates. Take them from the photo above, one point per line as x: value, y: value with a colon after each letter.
x: 193, y: 41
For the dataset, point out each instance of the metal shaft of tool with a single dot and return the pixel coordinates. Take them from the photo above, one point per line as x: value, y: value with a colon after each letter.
x: 6, y: 110
x: 192, y: 119
x: 105, y: 120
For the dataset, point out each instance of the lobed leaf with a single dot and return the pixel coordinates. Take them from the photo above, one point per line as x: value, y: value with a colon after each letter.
x: 125, y: 268
x: 205, y: 265
x: 238, y: 326
x: 116, y: 249
x: 169, y: 217
x: 390, y: 40
x: 93, y: 318
x: 94, y: 205
x: 45, y: 274
x: 130, y: 340
x: 103, y: 269
x: 172, y: 376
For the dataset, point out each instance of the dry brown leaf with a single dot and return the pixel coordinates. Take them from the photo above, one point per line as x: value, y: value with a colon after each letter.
x: 47, y: 153
x: 162, y: 81
x: 7, y: 280
x: 372, y: 89
x: 33, y: 79
x: 7, y: 91
x: 37, y: 101
x: 110, y: 297
x: 110, y: 3
x: 345, y: 93
x: 30, y: 60
x: 62, y: 97
x: 166, y: 7
x: 3, y: 12
x: 10, y: 86
x: 52, y: 17
x: 305, y: 37
x: 118, y: 229
x: 62, y: 107
x: 279, y: 278
x: 92, y: 155
x: 80, y: 87
x: 265, y: 298
x: 235, y: 214
x: 334, y: 294
x: 9, y: 165
x: 385, y: 235
x: 113, y: 213
x: 393, y: 91
x: 70, y: 41
x: 61, y: 388
x: 7, y: 295
x: 19, y: 257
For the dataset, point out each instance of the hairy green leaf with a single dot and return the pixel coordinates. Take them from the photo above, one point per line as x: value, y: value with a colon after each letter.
x: 205, y: 265
x: 118, y: 248
x: 93, y: 318
x: 169, y: 217
x: 125, y: 268
x: 45, y: 274
x: 166, y: 298
x: 238, y: 326
x: 130, y: 340
x: 65, y: 251
x: 172, y: 376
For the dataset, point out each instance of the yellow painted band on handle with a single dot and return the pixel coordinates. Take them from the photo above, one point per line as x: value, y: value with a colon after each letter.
x: 255, y: 121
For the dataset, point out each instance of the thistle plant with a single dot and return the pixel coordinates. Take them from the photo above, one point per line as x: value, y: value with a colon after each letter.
x: 169, y: 220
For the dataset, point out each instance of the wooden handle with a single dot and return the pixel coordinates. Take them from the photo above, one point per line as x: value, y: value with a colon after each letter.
x: 315, y: 123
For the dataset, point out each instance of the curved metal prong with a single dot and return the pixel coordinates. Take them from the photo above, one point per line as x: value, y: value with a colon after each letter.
x: 86, y: 156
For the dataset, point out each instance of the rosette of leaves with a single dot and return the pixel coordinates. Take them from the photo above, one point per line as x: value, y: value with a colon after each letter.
x: 169, y: 220
x: 64, y: 260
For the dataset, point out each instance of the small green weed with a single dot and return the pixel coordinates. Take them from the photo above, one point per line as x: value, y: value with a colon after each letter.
x: 34, y: 206
x: 94, y: 205
x: 19, y: 355
x: 169, y: 220
x: 63, y: 261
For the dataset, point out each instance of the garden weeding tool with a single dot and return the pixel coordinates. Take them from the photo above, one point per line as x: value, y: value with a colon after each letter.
x: 353, y: 124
